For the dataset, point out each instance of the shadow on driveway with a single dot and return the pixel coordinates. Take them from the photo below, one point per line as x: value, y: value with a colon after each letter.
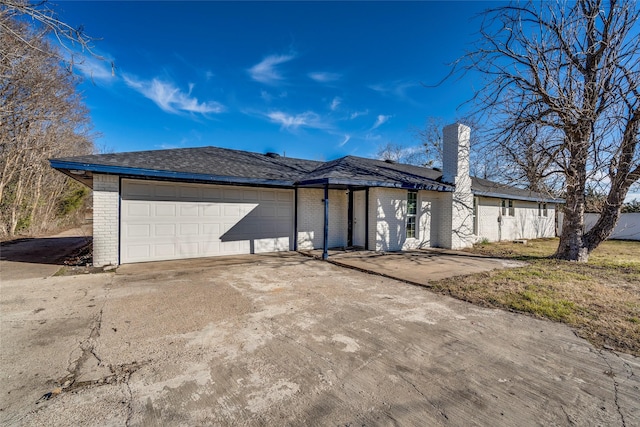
x: 37, y: 257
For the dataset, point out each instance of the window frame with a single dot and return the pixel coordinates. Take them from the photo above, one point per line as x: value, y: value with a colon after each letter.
x: 411, y: 227
x: 543, y: 210
x: 507, y: 207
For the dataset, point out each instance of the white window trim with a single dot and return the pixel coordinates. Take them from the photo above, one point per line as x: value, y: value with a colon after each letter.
x: 507, y: 208
x: 413, y: 215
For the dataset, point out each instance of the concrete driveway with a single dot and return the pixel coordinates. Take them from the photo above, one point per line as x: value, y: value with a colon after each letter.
x: 290, y: 340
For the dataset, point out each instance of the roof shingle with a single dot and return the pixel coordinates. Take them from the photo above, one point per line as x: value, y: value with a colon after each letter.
x: 212, y: 164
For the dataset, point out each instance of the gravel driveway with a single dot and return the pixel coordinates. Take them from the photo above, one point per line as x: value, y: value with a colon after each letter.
x: 289, y: 340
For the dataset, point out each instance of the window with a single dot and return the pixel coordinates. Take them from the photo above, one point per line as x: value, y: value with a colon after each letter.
x: 542, y: 209
x: 412, y: 208
x: 507, y: 208
x: 475, y: 216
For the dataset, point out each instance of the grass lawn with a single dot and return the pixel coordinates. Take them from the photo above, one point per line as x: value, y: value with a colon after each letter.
x: 599, y: 299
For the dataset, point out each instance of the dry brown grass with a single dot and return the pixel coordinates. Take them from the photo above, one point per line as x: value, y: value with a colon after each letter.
x: 600, y: 299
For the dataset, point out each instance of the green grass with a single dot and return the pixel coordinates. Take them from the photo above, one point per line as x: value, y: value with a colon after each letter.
x: 600, y: 299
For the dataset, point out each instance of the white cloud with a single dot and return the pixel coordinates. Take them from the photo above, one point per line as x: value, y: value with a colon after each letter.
x: 335, y: 103
x: 346, y: 139
x: 324, y: 77
x: 266, y: 96
x: 307, y: 119
x: 356, y: 114
x: 396, y: 88
x: 382, y: 119
x: 171, y: 99
x: 266, y: 71
x: 94, y: 69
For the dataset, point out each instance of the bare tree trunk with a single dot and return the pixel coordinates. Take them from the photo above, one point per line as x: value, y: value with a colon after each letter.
x: 15, y: 209
x: 571, y: 246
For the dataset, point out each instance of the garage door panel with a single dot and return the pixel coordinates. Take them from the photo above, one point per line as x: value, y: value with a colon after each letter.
x: 267, y: 196
x: 211, y: 229
x: 138, y: 251
x: 164, y: 250
x: 163, y: 220
x: 189, y: 230
x: 285, y: 197
x: 211, y: 210
x: 249, y: 195
x: 165, y: 230
x: 211, y: 193
x: 189, y: 193
x: 189, y: 209
x: 139, y: 209
x: 139, y: 230
x: 188, y: 248
x: 136, y: 189
x: 165, y: 209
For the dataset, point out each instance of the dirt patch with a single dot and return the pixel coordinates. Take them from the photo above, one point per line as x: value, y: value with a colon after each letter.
x: 79, y: 262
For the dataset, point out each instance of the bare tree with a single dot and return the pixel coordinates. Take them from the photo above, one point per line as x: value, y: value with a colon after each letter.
x: 483, y: 164
x: 430, y: 137
x: 41, y: 116
x: 73, y: 39
x: 573, y: 70
x: 527, y: 160
x: 397, y: 153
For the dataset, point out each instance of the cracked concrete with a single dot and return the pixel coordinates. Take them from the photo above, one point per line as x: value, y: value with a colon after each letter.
x: 289, y: 340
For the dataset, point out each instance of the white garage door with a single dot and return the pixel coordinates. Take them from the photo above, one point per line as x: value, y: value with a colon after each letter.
x: 163, y: 220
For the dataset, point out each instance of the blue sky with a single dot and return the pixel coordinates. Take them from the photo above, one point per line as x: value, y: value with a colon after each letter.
x: 315, y: 80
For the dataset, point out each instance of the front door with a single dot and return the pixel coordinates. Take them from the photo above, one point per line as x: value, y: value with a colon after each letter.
x: 359, y: 218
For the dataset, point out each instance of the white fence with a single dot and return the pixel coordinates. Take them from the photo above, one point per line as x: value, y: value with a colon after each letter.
x: 628, y: 227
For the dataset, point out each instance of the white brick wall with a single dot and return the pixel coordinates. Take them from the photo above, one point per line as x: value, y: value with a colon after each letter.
x: 390, y: 210
x: 526, y: 223
x: 106, y: 202
x: 387, y: 219
x: 311, y: 218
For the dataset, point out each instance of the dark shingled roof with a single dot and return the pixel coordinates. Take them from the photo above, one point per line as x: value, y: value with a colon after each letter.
x: 351, y: 170
x: 221, y: 165
x: 207, y: 161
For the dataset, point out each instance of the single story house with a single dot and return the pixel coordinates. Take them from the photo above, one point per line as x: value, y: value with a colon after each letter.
x: 208, y: 201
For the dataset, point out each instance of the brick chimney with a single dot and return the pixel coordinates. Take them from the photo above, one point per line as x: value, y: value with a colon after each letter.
x: 455, y: 156
x: 457, y: 208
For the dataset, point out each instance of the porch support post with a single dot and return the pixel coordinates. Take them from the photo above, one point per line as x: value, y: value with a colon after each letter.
x: 325, y: 246
x: 366, y: 219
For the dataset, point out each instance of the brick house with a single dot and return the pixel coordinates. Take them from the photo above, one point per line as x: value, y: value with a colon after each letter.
x: 208, y: 201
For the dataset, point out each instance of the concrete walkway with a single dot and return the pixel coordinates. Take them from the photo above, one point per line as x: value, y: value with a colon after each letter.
x: 418, y: 267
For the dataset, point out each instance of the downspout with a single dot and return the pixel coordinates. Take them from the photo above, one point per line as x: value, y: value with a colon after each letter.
x: 325, y: 249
